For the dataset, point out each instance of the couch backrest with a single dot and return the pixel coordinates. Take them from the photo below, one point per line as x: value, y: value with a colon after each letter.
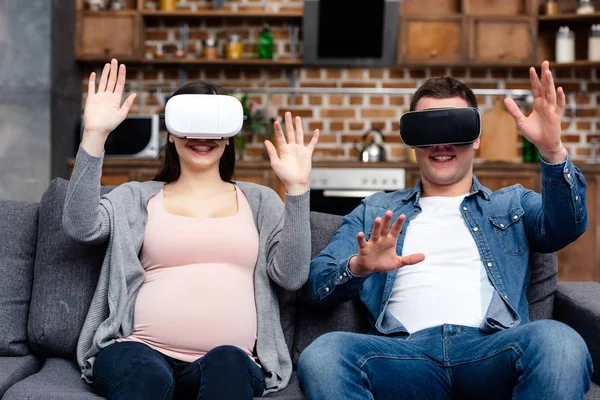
x: 18, y: 237
x: 65, y: 277
x: 350, y: 316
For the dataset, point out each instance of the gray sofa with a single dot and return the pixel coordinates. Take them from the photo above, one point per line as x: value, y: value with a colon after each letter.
x: 47, y: 282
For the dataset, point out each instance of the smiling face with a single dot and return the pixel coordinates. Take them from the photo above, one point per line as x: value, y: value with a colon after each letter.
x: 445, y: 170
x: 199, y: 154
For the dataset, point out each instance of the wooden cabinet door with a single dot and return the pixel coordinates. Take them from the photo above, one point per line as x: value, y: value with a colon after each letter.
x: 499, y: 7
x: 428, y: 7
x: 431, y: 40
x: 498, y: 179
x: 258, y: 176
x: 502, y: 41
x: 108, y: 34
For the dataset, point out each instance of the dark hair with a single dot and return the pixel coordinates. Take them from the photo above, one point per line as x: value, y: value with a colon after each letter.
x: 171, y: 168
x: 444, y: 87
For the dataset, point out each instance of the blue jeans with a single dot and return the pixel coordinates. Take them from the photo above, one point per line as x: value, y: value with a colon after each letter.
x: 132, y: 370
x: 539, y: 360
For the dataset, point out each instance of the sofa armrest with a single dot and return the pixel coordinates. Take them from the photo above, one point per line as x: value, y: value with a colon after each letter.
x: 577, y: 304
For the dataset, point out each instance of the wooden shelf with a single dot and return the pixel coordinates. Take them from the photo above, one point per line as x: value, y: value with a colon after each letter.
x: 101, y: 59
x: 580, y: 63
x: 222, y: 13
x: 197, y: 61
x: 584, y: 18
x: 109, y: 13
x: 222, y: 61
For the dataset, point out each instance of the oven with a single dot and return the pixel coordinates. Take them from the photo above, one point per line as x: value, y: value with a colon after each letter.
x: 340, y: 190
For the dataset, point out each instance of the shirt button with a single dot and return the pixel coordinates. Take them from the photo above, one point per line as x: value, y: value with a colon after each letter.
x: 465, y: 208
x: 569, y: 176
x: 501, y: 225
x: 327, y: 289
x: 345, y: 274
x: 475, y: 229
x: 490, y: 264
x: 341, y: 277
x: 505, y: 296
x: 576, y: 198
x: 516, y: 217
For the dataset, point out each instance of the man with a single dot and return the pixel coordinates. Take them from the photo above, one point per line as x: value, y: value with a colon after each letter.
x: 445, y: 284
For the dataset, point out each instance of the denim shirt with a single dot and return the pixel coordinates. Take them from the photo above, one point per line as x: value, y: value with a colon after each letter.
x: 506, y: 225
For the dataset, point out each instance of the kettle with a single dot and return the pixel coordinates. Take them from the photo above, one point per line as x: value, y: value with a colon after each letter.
x: 374, y: 151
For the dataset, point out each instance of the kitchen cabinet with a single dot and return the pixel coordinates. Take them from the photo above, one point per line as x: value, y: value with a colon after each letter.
x: 427, y: 7
x: 500, y: 7
x: 469, y: 32
x: 497, y: 41
x: 108, y: 34
x: 432, y: 40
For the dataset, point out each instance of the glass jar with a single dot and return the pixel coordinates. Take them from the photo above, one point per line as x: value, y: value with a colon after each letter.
x: 167, y: 5
x: 551, y: 7
x: 210, y: 49
x: 565, y: 45
x: 585, y: 7
x: 594, y: 43
x: 234, y: 48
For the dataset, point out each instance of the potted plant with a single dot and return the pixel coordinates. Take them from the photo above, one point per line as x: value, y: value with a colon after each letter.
x: 255, y: 123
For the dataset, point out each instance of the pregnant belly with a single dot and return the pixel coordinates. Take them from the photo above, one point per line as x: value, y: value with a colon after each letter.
x: 187, y: 311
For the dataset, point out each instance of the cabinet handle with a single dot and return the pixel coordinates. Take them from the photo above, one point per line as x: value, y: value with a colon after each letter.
x: 433, y: 53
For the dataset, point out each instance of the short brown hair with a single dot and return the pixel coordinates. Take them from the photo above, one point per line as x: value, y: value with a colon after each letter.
x: 444, y: 87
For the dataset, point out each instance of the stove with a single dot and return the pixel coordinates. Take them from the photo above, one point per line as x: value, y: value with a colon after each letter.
x: 340, y: 190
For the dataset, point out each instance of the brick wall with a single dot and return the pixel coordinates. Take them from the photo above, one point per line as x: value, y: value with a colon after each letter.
x: 343, y: 118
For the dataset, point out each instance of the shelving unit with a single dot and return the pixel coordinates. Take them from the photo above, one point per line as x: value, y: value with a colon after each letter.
x: 104, y: 34
x: 460, y: 33
x: 580, y: 24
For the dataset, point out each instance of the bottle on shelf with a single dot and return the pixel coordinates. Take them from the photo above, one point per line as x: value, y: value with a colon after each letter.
x: 160, y: 53
x: 594, y: 43
x: 530, y: 152
x: 167, y: 5
x: 266, y: 43
x: 210, y: 48
x: 234, y: 48
x: 551, y: 7
x: 565, y: 45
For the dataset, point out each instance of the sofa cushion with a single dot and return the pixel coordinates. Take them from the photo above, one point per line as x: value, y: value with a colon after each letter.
x: 291, y: 392
x: 15, y: 369
x: 312, y: 323
x: 593, y: 393
x: 542, y: 284
x: 59, y: 379
x: 19, y: 221
x: 65, y: 277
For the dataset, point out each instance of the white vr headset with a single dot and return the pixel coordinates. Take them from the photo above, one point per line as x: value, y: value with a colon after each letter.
x: 203, y: 116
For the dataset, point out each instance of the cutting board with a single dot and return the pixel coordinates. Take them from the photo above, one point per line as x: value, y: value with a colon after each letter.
x: 499, y: 135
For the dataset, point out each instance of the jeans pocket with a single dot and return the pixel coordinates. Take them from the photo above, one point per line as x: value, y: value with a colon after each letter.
x: 509, y: 230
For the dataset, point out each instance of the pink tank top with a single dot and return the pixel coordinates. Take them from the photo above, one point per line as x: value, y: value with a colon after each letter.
x: 198, y: 291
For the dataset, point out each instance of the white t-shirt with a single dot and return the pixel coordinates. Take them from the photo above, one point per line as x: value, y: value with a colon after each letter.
x: 451, y: 285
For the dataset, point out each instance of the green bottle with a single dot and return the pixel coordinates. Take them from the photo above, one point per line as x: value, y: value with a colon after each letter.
x: 265, y: 44
x: 530, y: 152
